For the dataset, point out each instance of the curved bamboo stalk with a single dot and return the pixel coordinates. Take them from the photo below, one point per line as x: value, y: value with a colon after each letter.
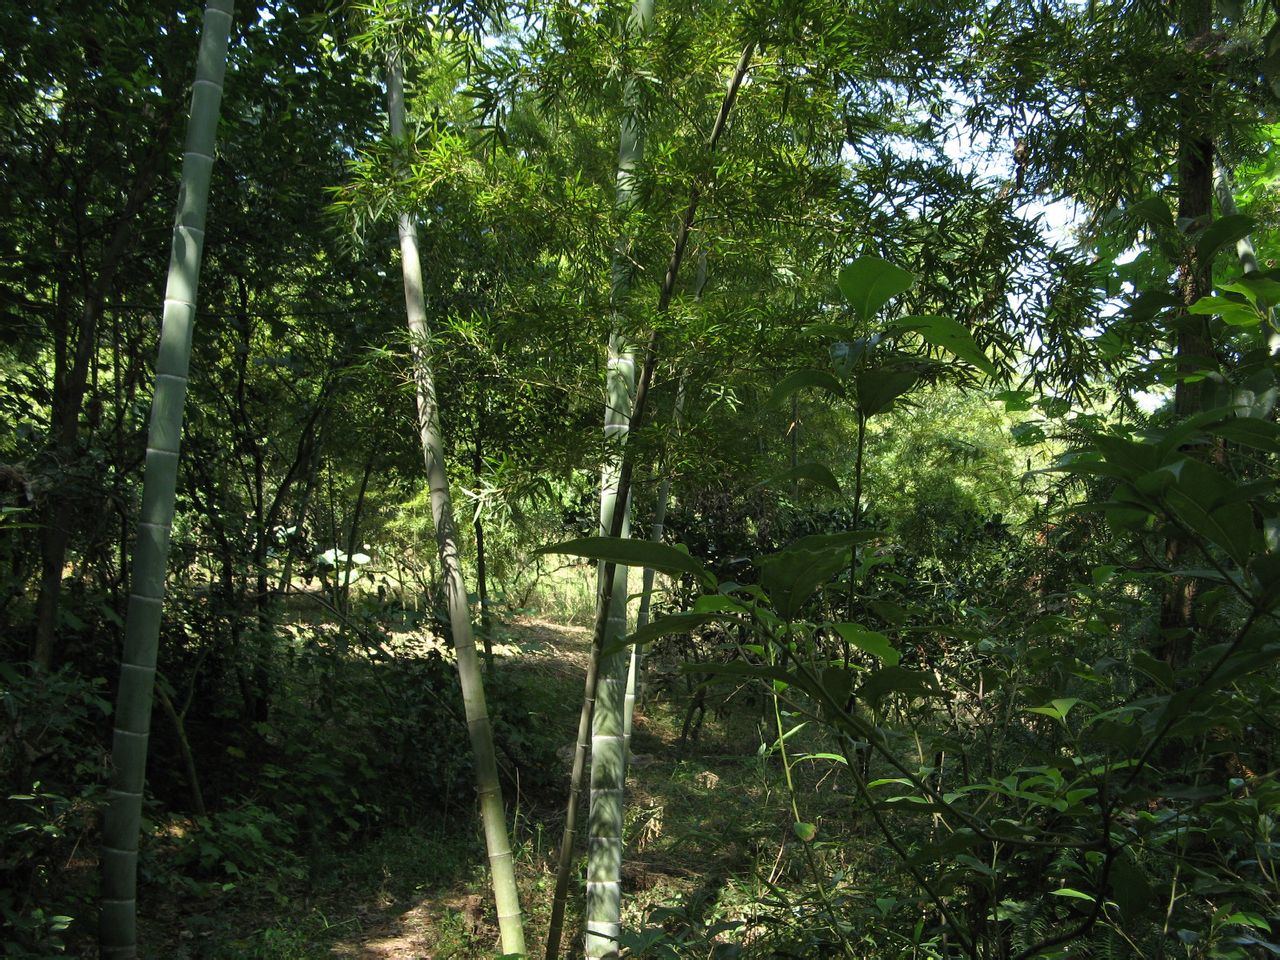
x: 118, y: 930
x: 492, y: 813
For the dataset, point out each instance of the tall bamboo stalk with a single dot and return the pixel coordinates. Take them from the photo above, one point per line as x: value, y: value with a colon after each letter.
x: 118, y: 926
x: 635, y: 663
x: 604, y: 843
x: 492, y: 813
x: 604, y: 834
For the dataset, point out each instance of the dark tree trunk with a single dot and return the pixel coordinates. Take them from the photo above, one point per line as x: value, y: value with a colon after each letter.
x: 1193, y: 344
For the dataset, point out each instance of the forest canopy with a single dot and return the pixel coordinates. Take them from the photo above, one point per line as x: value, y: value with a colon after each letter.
x: 664, y: 478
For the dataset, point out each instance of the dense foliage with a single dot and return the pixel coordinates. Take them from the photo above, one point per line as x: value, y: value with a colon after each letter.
x: 955, y: 335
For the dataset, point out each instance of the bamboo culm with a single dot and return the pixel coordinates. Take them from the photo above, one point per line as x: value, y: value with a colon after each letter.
x: 118, y: 926
x: 608, y: 760
x: 604, y: 888
x: 492, y: 812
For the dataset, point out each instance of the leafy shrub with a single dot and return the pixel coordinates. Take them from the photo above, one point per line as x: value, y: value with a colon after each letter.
x: 51, y: 728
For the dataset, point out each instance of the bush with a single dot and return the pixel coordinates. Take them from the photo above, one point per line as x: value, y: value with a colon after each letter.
x: 52, y: 727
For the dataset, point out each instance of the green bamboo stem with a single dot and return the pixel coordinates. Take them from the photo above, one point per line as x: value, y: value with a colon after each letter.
x: 489, y: 789
x: 555, y: 927
x: 608, y: 758
x: 604, y: 826
x: 118, y: 928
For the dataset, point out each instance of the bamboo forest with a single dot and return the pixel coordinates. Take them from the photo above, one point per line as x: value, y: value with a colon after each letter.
x: 675, y: 479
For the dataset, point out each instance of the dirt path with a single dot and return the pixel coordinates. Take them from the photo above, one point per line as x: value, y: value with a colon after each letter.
x: 455, y: 922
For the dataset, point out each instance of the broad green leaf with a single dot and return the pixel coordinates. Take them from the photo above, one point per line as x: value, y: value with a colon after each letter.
x: 1149, y: 304
x: 717, y: 603
x: 1055, y: 408
x: 1129, y: 455
x: 1158, y: 670
x: 1218, y: 234
x: 1015, y: 401
x: 868, y: 641
x: 1229, y: 527
x: 1074, y: 894
x: 1251, y: 432
x: 757, y: 671
x: 1058, y: 709
x: 1153, y: 211
x: 813, y: 472
x: 838, y: 683
x: 805, y: 831
x: 876, y: 389
x: 1232, y: 312
x: 1256, y: 287
x: 635, y: 553
x: 951, y: 336
x: 791, y: 575
x: 898, y: 679
x: 1130, y: 887
x: 890, y: 612
x: 672, y: 624
x: 1246, y: 291
x: 808, y: 377
x: 1265, y: 568
x: 869, y: 283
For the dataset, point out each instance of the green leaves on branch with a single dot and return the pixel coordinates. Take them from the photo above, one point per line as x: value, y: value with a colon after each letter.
x: 1221, y: 232
x: 799, y: 380
x: 869, y: 283
x: 949, y: 335
x: 876, y: 389
x: 1158, y: 480
x: 868, y: 641
x: 813, y: 472
x: 1233, y: 312
x: 636, y: 553
x: 791, y: 576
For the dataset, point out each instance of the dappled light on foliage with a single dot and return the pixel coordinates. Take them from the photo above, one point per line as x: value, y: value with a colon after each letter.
x: 918, y: 599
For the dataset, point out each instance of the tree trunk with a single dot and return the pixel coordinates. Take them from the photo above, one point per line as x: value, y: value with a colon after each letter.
x: 1193, y: 345
x: 118, y: 936
x: 68, y: 399
x: 490, y: 790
